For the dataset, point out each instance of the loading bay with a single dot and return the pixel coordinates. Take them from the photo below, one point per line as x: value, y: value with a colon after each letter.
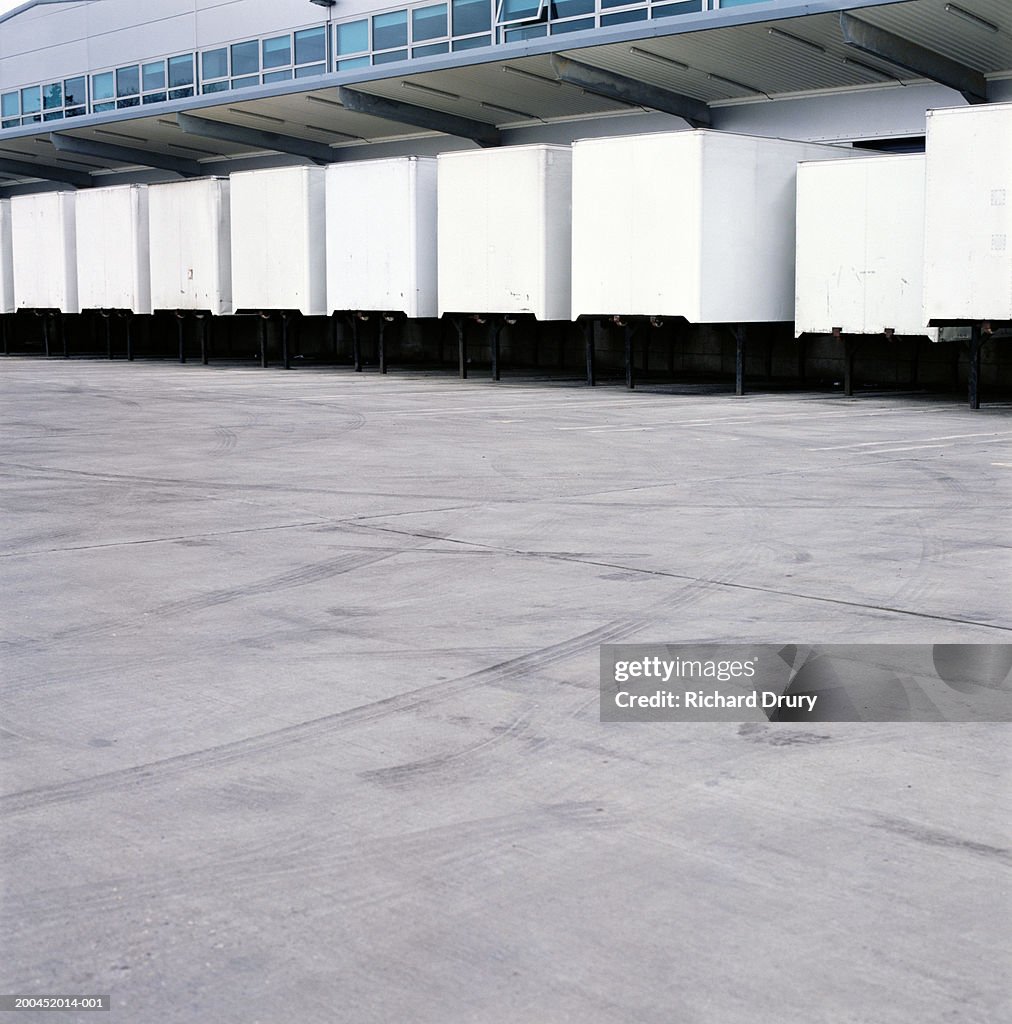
x: 301, y: 700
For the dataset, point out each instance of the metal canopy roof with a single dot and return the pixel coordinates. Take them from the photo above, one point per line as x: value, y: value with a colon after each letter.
x: 750, y: 59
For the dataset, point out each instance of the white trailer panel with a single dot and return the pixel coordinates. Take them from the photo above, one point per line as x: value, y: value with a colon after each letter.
x: 698, y: 224
x: 279, y: 239
x: 113, y: 257
x: 6, y: 259
x: 190, y: 257
x: 505, y: 231
x: 968, y: 208
x: 381, y: 236
x: 44, y: 236
x: 860, y: 251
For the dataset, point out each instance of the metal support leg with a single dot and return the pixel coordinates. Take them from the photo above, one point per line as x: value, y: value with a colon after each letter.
x: 802, y: 352
x: 915, y: 363
x: 130, y: 338
x: 181, y: 328
x: 630, y: 374
x: 739, y: 360
x: 203, y: 339
x: 588, y: 340
x: 849, y: 348
x: 494, y: 330
x: 61, y: 327
x: 356, y: 344
x: 286, y: 359
x: 333, y: 336
x: 461, y: 328
x: 976, y: 344
x: 381, y: 350
x: 263, y: 341
x: 45, y: 331
x: 108, y: 334
x: 3, y: 334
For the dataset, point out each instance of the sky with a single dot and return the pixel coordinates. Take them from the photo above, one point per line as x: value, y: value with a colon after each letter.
x: 6, y: 5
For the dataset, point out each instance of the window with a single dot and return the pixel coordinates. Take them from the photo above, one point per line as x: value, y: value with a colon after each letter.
x: 52, y: 96
x: 153, y: 76
x: 470, y: 16
x: 670, y: 10
x: 214, y: 64
x: 571, y: 8
x: 181, y: 76
x: 428, y: 23
x: 389, y: 30
x: 623, y: 17
x: 75, y: 92
x: 246, y: 58
x: 31, y: 101
x: 278, y: 76
x: 128, y: 81
x: 352, y: 37
x: 512, y: 11
x: 277, y: 52
x: 10, y: 110
x: 310, y: 46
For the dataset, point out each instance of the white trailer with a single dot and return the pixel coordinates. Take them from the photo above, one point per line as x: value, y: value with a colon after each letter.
x: 505, y: 242
x: 860, y: 247
x: 698, y: 224
x: 6, y: 259
x: 968, y: 214
x: 44, y: 235
x: 279, y: 240
x: 190, y: 255
x: 113, y: 257
x: 381, y: 236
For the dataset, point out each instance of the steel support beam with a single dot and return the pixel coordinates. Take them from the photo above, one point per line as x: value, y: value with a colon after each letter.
x: 256, y: 138
x: 629, y: 90
x: 26, y: 169
x: 125, y: 154
x: 914, y: 58
x: 483, y: 134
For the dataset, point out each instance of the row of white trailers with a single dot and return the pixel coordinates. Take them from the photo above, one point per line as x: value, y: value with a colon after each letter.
x: 712, y: 227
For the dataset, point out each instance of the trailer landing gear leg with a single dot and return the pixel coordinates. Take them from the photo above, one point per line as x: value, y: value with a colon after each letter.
x: 588, y: 341
x: 739, y: 360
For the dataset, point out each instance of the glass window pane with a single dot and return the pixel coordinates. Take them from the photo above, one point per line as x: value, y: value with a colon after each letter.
x: 521, y: 10
x: 472, y: 44
x: 389, y: 30
x: 245, y: 83
x: 310, y: 46
x: 75, y: 90
x: 102, y: 86
x: 179, y: 94
x: 429, y: 49
x: 390, y: 56
x: 571, y: 8
x: 10, y: 104
x: 737, y: 3
x: 354, y: 62
x: 216, y: 86
x: 576, y: 25
x: 527, y: 32
x: 471, y: 16
x: 310, y: 70
x: 152, y: 97
x: 100, y: 107
x: 428, y: 23
x: 278, y: 76
x: 623, y: 17
x: 52, y: 96
x: 53, y: 115
x: 128, y: 81
x: 134, y: 101
x: 214, y: 64
x: 277, y: 52
x: 11, y: 124
x: 353, y: 37
x: 686, y: 7
x: 76, y: 111
x: 246, y: 58
x: 31, y: 100
x: 181, y: 71
x: 153, y: 75
x: 35, y: 118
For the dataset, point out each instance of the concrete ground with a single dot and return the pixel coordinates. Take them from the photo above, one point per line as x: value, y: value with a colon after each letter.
x: 300, y: 717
